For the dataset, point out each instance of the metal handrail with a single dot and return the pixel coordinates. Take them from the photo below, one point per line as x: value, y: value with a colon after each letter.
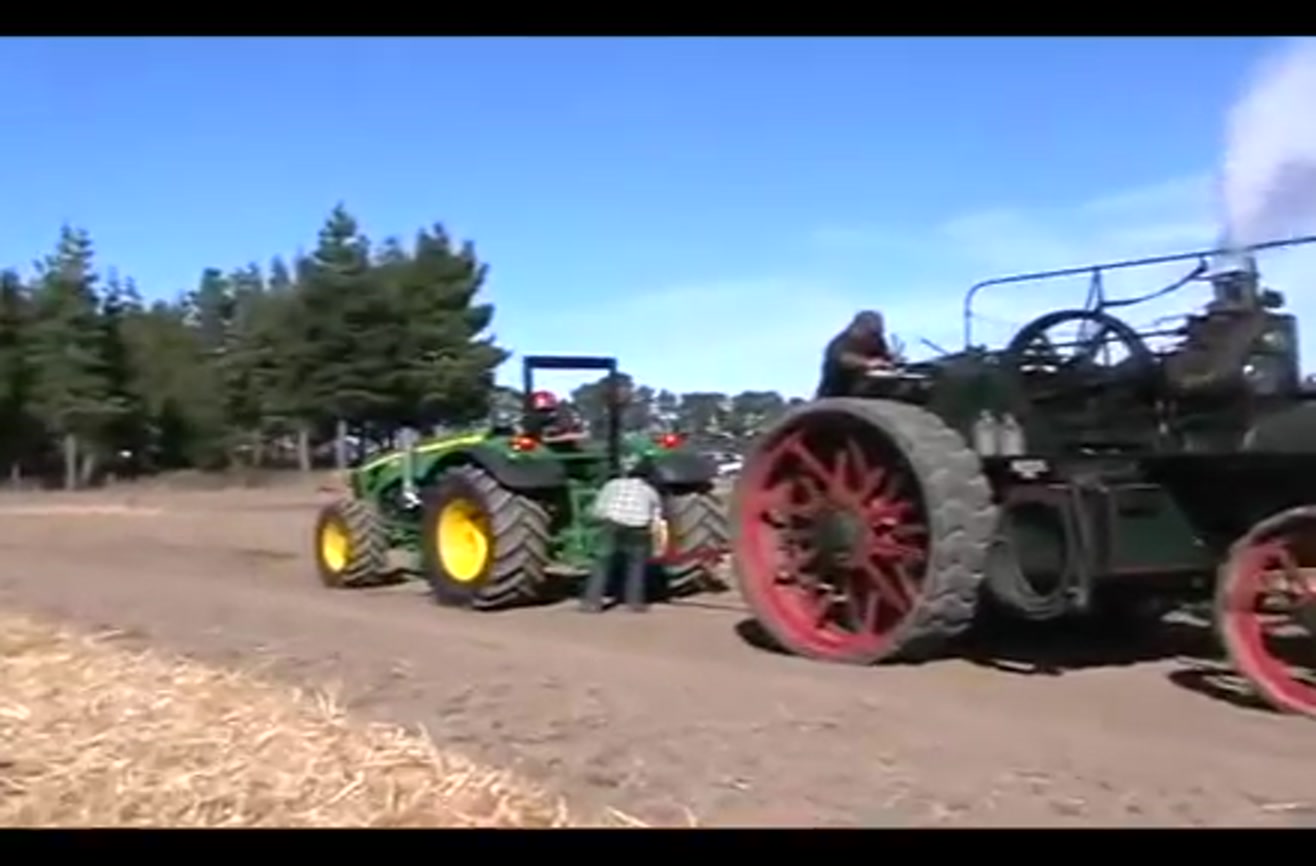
x: 1097, y: 270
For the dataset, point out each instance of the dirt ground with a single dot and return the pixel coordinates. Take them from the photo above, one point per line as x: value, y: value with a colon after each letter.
x: 674, y: 714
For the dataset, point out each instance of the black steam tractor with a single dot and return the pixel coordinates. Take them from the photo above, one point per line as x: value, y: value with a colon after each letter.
x: 1056, y: 477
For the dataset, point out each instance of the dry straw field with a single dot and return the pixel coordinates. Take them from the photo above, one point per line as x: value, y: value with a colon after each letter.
x: 92, y: 734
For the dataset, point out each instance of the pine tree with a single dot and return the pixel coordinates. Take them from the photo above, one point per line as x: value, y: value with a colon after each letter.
x: 345, y: 340
x: 72, y: 390
x: 447, y: 366
x: 123, y: 431
x: 16, y: 426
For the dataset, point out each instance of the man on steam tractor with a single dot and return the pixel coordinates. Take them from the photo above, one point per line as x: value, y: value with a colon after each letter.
x: 859, y: 348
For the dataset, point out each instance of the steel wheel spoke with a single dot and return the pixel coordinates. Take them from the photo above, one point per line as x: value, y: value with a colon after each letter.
x: 889, y: 513
x: 888, y: 585
x: 841, y: 472
x: 782, y: 502
x: 875, y: 481
x: 863, y: 472
x: 775, y: 499
x: 905, y: 531
x: 1292, y: 574
x: 894, y: 552
x: 863, y: 606
x: 821, y: 473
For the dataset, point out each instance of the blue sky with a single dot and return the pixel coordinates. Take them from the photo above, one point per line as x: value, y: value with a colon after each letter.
x: 710, y: 210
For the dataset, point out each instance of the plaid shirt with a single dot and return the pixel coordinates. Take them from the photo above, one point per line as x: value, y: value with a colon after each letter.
x: 628, y: 502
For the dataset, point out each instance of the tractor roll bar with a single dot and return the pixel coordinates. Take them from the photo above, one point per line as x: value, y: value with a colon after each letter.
x: 612, y: 403
x: 569, y: 362
x: 1097, y: 270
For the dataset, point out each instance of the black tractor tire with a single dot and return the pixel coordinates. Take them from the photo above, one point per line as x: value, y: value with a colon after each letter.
x: 1013, y: 594
x: 960, y: 515
x: 696, y: 523
x: 366, y: 558
x: 518, y: 534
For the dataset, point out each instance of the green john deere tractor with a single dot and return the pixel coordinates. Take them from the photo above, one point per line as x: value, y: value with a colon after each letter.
x: 491, y: 516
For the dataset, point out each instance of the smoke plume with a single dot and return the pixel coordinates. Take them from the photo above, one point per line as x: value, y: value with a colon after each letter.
x: 1268, y: 182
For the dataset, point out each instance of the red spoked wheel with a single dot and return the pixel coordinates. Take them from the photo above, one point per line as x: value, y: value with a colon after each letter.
x: 1266, y: 609
x: 861, y: 531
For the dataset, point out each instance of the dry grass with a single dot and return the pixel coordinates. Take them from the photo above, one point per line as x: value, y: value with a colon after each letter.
x: 92, y: 734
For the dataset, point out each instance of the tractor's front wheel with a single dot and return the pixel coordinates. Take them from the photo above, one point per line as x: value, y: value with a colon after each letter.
x: 697, y: 539
x: 482, y: 546
x: 351, y: 547
x: 1266, y: 609
x: 862, y: 528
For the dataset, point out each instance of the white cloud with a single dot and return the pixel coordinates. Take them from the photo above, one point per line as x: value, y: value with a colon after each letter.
x: 768, y: 332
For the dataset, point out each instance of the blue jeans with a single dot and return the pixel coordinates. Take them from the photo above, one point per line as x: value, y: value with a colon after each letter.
x: 620, y: 548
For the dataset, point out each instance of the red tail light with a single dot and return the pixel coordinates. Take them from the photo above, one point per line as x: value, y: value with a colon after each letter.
x: 524, y: 443
x: 669, y: 440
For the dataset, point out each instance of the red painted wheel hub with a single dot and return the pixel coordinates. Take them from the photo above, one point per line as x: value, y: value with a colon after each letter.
x: 832, y: 537
x: 1267, y: 613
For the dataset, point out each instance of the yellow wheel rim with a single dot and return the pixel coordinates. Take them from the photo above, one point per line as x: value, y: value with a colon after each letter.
x: 463, y: 540
x: 335, y: 547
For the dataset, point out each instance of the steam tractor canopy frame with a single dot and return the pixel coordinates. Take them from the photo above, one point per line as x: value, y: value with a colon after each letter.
x: 1046, y: 480
x: 496, y: 517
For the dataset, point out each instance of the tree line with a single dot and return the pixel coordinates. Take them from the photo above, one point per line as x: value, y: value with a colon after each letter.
x: 713, y: 419
x: 274, y: 364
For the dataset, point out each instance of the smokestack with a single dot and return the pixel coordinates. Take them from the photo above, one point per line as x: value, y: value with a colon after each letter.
x: 1234, y: 280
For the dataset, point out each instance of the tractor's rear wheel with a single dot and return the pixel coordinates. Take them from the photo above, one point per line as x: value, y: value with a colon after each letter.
x: 1266, y: 609
x: 351, y: 546
x: 697, y: 537
x: 862, y: 528
x: 482, y: 546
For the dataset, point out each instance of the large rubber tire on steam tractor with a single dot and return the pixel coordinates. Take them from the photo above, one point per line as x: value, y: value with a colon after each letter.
x: 482, y: 546
x: 351, y: 546
x: 862, y: 528
x: 697, y: 537
x: 1265, y: 609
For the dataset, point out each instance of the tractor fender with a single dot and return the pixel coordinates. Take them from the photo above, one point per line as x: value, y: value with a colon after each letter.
x: 678, y: 469
x: 521, y: 475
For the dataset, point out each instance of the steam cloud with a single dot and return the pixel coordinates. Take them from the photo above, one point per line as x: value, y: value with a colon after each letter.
x: 1268, y: 182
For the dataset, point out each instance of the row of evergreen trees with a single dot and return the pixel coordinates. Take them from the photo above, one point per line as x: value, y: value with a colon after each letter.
x: 255, y: 367
x: 267, y: 366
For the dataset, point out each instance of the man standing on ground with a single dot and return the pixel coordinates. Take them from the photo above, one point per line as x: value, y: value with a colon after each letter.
x: 861, y: 347
x: 631, y: 514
